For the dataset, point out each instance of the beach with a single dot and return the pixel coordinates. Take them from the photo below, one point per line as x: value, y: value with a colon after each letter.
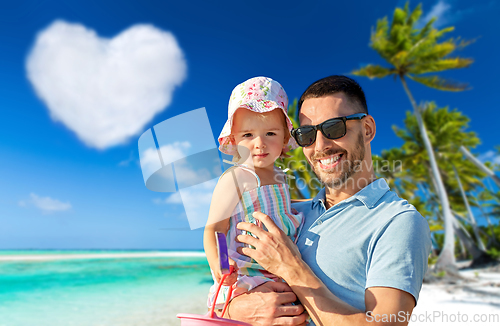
x: 151, y: 288
x: 101, y: 287
x: 472, y: 301
x: 51, y: 257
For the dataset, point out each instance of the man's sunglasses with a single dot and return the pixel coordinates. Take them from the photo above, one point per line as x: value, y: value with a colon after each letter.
x: 332, y: 129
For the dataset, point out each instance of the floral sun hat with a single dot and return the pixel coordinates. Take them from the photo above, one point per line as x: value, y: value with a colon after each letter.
x: 258, y: 94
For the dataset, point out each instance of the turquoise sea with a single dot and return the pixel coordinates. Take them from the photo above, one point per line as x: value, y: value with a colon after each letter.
x: 101, y: 291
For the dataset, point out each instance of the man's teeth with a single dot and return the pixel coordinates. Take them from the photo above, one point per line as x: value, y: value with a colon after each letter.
x: 330, y: 160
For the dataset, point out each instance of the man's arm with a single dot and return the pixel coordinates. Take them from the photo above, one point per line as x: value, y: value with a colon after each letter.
x: 276, y: 253
x: 268, y: 304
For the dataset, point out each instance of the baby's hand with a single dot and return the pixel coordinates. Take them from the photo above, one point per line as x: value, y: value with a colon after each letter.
x: 233, y: 277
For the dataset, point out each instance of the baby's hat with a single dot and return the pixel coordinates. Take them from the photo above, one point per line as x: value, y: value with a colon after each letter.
x: 258, y: 94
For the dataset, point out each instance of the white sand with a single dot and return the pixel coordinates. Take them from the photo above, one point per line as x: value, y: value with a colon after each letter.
x: 163, y: 314
x: 474, y: 302
x: 99, y: 256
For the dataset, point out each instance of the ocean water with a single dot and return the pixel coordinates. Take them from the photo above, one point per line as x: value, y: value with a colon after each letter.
x: 109, y: 291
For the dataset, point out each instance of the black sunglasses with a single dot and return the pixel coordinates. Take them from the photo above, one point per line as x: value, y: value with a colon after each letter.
x: 332, y: 129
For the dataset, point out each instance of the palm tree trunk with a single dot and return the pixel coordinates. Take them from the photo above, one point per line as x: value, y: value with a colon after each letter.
x: 480, y: 165
x: 492, y: 240
x: 463, y: 255
x: 469, y: 211
x: 446, y: 260
x: 479, y: 257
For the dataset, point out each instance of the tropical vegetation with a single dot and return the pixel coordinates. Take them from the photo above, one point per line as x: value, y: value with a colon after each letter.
x: 463, y: 180
x: 414, y: 53
x: 305, y: 184
x: 434, y: 168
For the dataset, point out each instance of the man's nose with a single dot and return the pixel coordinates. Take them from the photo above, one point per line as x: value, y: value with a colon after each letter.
x: 322, y: 143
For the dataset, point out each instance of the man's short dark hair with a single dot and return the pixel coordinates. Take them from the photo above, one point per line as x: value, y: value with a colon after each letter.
x: 336, y: 84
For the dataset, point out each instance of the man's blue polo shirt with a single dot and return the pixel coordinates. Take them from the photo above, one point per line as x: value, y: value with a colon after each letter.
x: 373, y: 238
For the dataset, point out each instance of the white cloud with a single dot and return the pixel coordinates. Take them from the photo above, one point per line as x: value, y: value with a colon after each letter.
x: 105, y: 90
x: 187, y: 176
x: 175, y: 151
x: 174, y: 198
x: 490, y: 156
x: 158, y: 201
x: 197, y: 201
x: 441, y: 11
x: 447, y: 13
x: 150, y: 161
x: 130, y: 159
x: 170, y: 153
x: 45, y: 204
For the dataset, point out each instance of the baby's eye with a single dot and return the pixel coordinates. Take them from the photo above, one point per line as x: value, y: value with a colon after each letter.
x: 271, y: 133
x: 247, y: 135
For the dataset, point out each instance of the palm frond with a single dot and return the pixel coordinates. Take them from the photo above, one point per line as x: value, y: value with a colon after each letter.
x: 440, y: 33
x: 440, y: 83
x: 414, y: 51
x: 440, y: 65
x: 424, y: 32
x: 399, y: 17
x: 415, y: 15
x: 379, y: 38
x: 436, y: 227
x: 427, y: 50
x: 373, y: 71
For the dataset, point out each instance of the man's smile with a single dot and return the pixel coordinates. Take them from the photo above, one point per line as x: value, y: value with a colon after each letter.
x: 329, y: 162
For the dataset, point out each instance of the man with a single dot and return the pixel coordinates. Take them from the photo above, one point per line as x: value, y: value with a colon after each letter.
x: 362, y: 253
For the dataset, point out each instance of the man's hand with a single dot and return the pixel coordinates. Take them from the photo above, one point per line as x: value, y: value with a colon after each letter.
x: 268, y: 304
x: 274, y: 251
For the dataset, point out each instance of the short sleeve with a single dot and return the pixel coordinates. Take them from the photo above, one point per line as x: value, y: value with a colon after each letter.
x: 398, y: 254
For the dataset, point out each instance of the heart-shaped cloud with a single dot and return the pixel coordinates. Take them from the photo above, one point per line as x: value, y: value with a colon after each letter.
x: 105, y: 90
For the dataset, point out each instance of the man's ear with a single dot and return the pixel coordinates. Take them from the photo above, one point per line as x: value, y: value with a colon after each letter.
x: 369, y: 128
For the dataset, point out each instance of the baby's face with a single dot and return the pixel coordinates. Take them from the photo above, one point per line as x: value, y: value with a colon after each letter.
x: 262, y: 134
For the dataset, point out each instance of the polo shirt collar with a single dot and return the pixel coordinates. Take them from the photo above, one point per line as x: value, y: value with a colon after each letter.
x: 320, y: 197
x: 369, y: 195
x: 372, y: 193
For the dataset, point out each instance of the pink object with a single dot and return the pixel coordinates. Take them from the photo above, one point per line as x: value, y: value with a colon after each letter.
x: 204, y: 320
x: 258, y: 94
x: 211, y: 318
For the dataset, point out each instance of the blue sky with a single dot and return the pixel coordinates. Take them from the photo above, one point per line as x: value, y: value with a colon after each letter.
x: 69, y: 163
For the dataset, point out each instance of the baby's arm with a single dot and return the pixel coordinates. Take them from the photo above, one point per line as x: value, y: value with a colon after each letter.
x: 224, y: 200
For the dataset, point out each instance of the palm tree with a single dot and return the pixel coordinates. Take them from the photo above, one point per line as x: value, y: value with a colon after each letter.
x: 478, y: 201
x: 446, y: 130
x: 412, y: 52
x: 480, y: 165
x: 390, y: 167
x: 472, y: 218
x: 305, y: 184
x: 495, y: 205
x: 393, y: 165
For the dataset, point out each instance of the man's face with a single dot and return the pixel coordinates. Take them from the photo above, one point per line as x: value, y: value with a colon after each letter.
x: 334, y: 161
